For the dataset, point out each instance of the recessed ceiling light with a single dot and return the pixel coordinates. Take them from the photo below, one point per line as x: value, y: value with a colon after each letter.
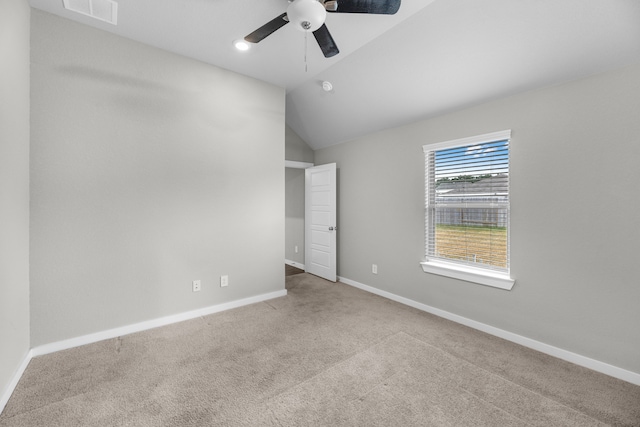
x: 241, y: 44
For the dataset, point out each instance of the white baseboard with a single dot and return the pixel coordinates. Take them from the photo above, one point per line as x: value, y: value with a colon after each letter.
x: 595, y: 365
x: 294, y: 264
x: 150, y: 324
x: 4, y: 398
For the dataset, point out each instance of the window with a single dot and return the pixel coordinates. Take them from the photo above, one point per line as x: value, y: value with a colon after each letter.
x: 467, y: 209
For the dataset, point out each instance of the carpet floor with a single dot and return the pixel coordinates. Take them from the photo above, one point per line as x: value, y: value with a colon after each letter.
x: 325, y: 355
x: 290, y: 270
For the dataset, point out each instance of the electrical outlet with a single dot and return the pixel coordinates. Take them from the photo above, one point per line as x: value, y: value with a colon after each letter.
x: 224, y: 281
x: 196, y: 285
x: 374, y: 268
x: 296, y: 248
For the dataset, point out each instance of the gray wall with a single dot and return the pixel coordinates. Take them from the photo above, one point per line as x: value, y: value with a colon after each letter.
x: 14, y: 188
x: 294, y: 212
x: 149, y: 170
x: 575, y: 233
x: 297, y: 150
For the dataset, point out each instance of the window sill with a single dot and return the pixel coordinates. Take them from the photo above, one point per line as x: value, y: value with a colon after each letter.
x: 470, y: 274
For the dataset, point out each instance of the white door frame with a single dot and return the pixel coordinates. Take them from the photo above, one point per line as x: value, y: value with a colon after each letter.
x: 297, y: 165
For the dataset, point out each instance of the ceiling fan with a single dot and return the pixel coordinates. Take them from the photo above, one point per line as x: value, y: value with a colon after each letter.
x: 309, y: 16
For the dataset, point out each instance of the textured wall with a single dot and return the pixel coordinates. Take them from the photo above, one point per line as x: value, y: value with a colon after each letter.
x: 149, y: 170
x: 575, y: 237
x: 14, y: 188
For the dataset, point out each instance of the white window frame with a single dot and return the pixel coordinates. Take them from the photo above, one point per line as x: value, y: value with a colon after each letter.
x: 479, y: 275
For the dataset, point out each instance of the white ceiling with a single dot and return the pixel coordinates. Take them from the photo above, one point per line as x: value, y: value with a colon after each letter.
x: 432, y: 57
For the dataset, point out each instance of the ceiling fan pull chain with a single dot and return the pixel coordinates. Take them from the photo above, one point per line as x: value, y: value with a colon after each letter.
x: 306, y: 45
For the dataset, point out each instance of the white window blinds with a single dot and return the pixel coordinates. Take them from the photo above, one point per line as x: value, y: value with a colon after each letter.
x: 467, y: 201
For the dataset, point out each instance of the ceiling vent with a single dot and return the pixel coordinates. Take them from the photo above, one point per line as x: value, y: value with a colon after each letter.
x: 104, y: 10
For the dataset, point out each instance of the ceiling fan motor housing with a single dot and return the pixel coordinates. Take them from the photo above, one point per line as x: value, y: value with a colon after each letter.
x: 306, y: 15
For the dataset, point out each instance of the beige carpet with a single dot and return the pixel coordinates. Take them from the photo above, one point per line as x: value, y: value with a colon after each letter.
x: 326, y: 354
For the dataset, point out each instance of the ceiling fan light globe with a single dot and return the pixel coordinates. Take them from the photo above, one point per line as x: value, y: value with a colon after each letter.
x: 306, y: 15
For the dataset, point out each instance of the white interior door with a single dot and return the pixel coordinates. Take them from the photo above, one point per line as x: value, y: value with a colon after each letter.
x: 320, y: 221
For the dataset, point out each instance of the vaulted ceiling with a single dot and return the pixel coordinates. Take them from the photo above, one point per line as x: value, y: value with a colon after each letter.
x: 432, y: 57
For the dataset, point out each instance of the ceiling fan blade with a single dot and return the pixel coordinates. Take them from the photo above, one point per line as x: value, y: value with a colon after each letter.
x: 325, y: 41
x: 267, y: 29
x: 381, y: 7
